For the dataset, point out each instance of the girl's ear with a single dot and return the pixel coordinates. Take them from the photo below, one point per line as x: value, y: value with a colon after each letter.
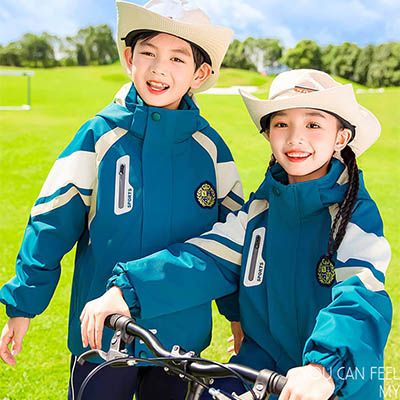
x: 266, y: 134
x: 128, y: 59
x: 202, y: 73
x: 342, y: 138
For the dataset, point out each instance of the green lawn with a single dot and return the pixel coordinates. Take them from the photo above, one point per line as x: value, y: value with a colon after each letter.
x: 62, y: 100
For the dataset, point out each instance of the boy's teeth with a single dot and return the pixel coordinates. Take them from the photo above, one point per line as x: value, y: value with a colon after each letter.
x: 158, y: 85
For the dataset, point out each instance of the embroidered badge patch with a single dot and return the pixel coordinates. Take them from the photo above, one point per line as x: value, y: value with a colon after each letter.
x: 205, y: 195
x: 326, y: 272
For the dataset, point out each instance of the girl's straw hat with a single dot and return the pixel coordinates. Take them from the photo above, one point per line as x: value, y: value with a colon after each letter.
x: 308, y: 88
x: 180, y: 18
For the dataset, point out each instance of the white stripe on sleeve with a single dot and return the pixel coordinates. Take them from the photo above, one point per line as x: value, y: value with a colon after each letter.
x: 79, y: 168
x: 364, y: 246
x: 364, y: 274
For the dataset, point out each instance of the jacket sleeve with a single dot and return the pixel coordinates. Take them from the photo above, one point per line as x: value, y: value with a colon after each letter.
x: 185, y: 275
x: 57, y: 220
x: 360, y: 306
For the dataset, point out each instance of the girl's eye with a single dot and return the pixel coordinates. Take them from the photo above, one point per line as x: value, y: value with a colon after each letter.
x: 280, y: 125
x: 313, y: 125
x: 148, y: 53
x: 177, y: 59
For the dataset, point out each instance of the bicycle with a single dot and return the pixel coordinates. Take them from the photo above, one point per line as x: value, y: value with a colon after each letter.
x: 199, y: 372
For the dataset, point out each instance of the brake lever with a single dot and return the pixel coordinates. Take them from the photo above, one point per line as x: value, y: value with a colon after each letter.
x: 117, y: 348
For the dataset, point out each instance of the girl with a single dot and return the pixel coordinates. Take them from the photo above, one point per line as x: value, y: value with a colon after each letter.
x: 306, y: 251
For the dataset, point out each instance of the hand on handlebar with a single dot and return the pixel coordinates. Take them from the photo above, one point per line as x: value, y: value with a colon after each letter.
x: 311, y: 382
x: 13, y: 333
x: 95, y: 312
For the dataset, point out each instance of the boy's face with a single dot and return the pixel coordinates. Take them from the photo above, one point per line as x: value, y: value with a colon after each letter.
x: 163, y: 70
x: 303, y: 141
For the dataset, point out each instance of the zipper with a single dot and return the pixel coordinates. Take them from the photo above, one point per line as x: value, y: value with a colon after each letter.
x: 254, y: 256
x: 121, y: 186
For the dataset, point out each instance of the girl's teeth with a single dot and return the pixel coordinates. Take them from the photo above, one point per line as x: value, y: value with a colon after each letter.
x: 301, y: 155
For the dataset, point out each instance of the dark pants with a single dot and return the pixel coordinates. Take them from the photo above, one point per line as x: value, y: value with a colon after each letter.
x: 147, y: 383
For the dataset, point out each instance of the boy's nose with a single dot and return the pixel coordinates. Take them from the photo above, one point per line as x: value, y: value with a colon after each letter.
x: 158, y: 68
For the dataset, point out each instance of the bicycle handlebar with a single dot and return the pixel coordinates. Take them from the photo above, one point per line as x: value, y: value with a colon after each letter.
x: 273, y: 381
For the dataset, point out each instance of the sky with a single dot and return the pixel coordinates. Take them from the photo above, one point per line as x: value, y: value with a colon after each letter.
x: 325, y: 21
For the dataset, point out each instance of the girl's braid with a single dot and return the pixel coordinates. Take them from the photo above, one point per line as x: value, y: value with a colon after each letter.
x: 346, y: 207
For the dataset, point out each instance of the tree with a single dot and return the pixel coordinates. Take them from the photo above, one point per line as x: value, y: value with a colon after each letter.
x: 11, y: 55
x: 306, y: 54
x: 341, y: 60
x: 235, y: 57
x: 95, y: 45
x: 363, y: 63
x: 37, y: 51
x: 385, y: 68
x: 262, y: 52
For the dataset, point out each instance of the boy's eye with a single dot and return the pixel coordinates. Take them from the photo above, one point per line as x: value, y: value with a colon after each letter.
x: 148, y: 53
x: 176, y: 59
x: 313, y: 125
x: 280, y: 124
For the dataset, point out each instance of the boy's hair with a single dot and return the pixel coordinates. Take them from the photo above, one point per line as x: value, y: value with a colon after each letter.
x: 199, y: 55
x: 345, y: 211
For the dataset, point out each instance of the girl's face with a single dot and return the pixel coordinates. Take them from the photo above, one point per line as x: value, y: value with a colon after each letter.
x: 303, y: 141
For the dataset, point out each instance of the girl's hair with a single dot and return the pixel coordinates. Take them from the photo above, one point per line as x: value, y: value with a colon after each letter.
x: 199, y: 55
x: 345, y: 211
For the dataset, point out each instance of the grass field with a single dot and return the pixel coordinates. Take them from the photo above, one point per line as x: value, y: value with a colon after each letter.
x: 62, y: 100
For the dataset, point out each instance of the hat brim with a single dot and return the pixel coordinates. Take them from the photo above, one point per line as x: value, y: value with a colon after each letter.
x: 339, y: 100
x: 212, y: 39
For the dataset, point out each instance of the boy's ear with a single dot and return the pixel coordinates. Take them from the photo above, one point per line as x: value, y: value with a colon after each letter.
x: 342, y: 138
x: 202, y: 73
x: 128, y: 59
x: 266, y: 134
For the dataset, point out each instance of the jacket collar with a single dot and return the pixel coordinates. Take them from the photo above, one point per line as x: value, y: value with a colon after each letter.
x: 304, y: 198
x: 128, y: 111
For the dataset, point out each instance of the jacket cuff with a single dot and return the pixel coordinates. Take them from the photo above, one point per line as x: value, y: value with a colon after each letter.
x: 333, y: 364
x: 13, y: 312
x: 121, y: 280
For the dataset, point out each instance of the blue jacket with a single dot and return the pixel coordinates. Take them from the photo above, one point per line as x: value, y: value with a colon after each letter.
x: 133, y: 180
x: 291, y: 312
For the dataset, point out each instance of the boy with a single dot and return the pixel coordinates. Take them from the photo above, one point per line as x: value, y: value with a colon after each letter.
x: 306, y: 252
x: 147, y: 171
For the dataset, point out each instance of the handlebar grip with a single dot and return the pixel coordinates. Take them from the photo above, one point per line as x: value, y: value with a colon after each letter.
x: 111, y: 321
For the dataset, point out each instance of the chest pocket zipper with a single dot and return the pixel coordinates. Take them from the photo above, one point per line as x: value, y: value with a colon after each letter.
x: 255, y: 266
x: 123, y: 197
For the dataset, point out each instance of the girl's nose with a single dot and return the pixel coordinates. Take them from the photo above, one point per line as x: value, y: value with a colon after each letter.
x: 295, y: 137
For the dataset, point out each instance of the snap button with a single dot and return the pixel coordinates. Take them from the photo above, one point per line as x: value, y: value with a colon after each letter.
x: 155, y: 116
x: 276, y: 191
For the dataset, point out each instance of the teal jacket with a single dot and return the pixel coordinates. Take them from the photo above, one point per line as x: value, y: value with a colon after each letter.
x: 292, y: 312
x: 133, y: 180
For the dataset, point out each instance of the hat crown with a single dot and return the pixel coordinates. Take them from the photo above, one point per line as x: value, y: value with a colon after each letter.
x: 185, y: 11
x: 300, y: 81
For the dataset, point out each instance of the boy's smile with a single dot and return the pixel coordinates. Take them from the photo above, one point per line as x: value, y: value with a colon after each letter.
x: 303, y: 141
x: 163, y: 70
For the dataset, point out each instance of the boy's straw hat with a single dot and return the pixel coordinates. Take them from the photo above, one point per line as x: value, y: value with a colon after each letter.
x: 309, y: 88
x: 180, y: 18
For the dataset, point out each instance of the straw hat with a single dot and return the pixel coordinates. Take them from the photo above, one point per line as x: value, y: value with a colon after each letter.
x: 181, y: 18
x: 308, y: 88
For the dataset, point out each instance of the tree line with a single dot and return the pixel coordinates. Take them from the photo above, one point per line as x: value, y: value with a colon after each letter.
x: 93, y: 45
x: 372, y: 65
